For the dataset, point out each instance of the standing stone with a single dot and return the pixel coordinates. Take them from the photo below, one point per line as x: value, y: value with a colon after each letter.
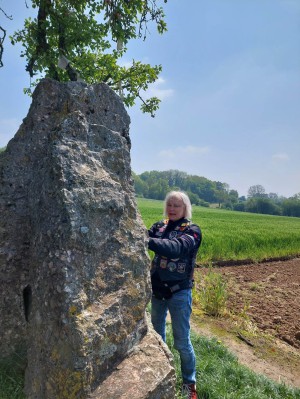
x: 73, y: 262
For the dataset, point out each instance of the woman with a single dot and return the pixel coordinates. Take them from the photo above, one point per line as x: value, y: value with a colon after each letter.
x: 175, y: 242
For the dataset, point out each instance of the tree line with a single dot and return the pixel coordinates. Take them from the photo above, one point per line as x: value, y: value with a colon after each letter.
x: 205, y: 192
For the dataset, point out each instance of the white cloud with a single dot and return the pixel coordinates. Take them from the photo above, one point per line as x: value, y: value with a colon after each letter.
x: 156, y: 90
x: 181, y: 152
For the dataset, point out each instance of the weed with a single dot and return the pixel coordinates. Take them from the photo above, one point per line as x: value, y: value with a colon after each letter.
x: 256, y: 287
x: 212, y: 293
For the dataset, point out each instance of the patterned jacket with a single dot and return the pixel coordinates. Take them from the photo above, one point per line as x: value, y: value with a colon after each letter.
x: 175, y: 245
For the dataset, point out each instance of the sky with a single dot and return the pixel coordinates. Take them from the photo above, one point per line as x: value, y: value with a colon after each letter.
x: 230, y: 91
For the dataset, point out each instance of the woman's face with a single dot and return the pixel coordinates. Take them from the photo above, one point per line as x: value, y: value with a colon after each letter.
x: 175, y: 209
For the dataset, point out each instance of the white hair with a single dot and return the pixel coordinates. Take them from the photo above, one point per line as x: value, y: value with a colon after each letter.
x: 185, y: 199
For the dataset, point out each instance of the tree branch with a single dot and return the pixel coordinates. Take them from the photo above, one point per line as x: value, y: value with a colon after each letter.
x: 1, y: 45
x: 42, y: 45
x: 3, y: 33
x: 7, y: 16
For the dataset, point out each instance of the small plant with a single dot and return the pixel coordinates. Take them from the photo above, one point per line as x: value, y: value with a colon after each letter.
x: 243, y: 322
x: 256, y: 287
x: 212, y: 294
x: 246, y: 307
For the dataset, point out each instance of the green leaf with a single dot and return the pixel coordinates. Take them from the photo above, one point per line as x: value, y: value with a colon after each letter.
x: 84, y: 31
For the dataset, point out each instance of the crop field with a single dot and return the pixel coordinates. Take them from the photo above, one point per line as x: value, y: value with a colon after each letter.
x: 230, y: 235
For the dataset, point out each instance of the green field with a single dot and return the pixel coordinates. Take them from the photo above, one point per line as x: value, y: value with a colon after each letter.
x: 229, y: 235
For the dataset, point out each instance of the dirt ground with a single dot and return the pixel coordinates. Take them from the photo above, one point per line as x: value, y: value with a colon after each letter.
x: 264, y: 327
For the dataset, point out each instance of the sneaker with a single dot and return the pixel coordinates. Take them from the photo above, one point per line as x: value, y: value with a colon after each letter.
x: 189, y: 391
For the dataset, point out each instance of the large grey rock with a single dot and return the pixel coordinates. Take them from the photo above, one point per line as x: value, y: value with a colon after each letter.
x: 73, y: 262
x: 143, y: 374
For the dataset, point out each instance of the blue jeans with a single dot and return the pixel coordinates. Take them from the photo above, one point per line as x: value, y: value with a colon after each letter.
x: 180, y: 308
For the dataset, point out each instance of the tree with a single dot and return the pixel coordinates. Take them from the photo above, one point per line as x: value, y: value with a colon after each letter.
x: 141, y: 188
x: 262, y: 205
x: 220, y: 196
x: 233, y: 195
x: 74, y: 39
x: 193, y: 198
x: 291, y: 207
x: 274, y: 197
x: 2, y: 36
x: 201, y: 190
x: 256, y: 191
x: 158, y: 189
x: 239, y: 206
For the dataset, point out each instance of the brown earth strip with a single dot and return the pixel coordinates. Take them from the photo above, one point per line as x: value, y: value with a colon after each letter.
x: 267, y: 296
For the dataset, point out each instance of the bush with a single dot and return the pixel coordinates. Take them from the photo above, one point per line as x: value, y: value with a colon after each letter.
x: 212, y: 294
x: 203, y: 203
x: 240, y: 206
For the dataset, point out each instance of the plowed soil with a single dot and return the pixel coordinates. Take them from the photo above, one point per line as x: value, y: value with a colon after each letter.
x: 267, y: 295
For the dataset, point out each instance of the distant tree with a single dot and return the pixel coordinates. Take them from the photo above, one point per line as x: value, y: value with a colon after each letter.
x: 175, y: 177
x: 273, y: 196
x: 262, y: 205
x: 141, y: 188
x: 256, y: 191
x: 202, y: 190
x: 220, y: 196
x: 239, y: 206
x: 208, y: 192
x: 159, y: 189
x: 291, y: 207
x: 73, y: 39
x: 203, y: 203
x: 193, y: 198
x: 225, y: 196
x: 233, y: 196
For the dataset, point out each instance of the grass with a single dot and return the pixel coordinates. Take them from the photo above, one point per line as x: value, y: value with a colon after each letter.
x: 231, y: 235
x: 226, y: 235
x: 210, y: 293
x: 220, y: 376
x: 12, y: 377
